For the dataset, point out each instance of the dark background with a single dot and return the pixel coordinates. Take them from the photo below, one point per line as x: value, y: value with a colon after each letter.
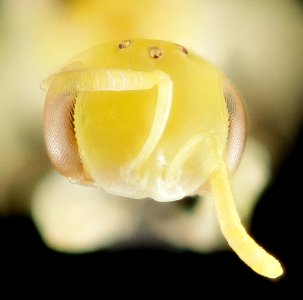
x: 276, y: 225
x: 26, y: 264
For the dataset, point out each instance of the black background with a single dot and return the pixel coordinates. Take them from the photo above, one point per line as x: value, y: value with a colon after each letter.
x: 276, y: 225
x: 27, y: 265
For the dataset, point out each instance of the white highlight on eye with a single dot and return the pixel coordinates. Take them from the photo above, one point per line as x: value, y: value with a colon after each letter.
x: 155, y: 52
x: 124, y: 44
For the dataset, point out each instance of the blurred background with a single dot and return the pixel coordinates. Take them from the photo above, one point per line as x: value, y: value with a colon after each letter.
x: 43, y: 218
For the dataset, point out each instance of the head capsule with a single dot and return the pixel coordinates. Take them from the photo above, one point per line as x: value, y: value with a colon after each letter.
x: 142, y: 118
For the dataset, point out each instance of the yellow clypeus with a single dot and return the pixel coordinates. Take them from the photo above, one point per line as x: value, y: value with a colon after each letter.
x: 144, y: 118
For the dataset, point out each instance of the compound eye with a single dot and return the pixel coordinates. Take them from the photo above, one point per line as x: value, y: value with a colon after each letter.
x: 59, y: 135
x: 237, y: 126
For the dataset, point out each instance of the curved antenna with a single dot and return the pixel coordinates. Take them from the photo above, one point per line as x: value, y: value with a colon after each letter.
x: 187, y: 150
x: 125, y: 80
x: 237, y: 237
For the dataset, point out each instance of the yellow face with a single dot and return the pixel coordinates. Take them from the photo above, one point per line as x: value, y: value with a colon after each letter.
x: 145, y: 118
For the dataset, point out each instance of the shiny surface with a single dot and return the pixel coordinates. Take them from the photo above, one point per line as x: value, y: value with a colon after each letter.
x: 119, y: 113
x: 153, y: 120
